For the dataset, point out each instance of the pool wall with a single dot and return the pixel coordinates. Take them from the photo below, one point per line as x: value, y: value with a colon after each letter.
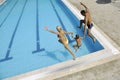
x: 109, y: 53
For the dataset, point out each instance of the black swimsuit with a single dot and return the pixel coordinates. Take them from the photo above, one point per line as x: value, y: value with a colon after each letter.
x: 90, y: 25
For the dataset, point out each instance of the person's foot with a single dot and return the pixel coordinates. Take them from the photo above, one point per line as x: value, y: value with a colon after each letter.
x: 74, y: 58
x: 79, y: 27
x: 84, y: 37
x: 76, y: 50
x: 94, y: 40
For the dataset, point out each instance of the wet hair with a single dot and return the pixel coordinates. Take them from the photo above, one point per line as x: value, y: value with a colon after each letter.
x: 83, y: 12
x: 77, y: 36
x: 58, y: 27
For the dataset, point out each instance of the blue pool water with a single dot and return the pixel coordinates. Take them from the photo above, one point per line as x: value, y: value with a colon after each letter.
x: 25, y: 45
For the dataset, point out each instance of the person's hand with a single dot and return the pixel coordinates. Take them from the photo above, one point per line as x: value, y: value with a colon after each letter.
x: 72, y: 33
x: 46, y: 28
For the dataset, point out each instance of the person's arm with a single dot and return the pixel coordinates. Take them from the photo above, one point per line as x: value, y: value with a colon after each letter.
x: 85, y: 27
x: 68, y: 32
x: 46, y: 28
x: 84, y: 6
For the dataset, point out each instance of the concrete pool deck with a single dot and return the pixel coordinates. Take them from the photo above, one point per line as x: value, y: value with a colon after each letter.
x: 106, y: 16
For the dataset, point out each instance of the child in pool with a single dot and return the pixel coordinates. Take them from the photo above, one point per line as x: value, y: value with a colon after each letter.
x: 78, y: 41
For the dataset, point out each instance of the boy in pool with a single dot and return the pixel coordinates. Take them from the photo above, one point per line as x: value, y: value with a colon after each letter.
x: 62, y: 38
x: 78, y: 41
x: 87, y: 21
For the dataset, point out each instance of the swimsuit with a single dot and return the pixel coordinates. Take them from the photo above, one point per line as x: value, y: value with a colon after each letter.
x: 78, y: 40
x: 90, y: 25
x: 63, y: 42
x: 66, y: 42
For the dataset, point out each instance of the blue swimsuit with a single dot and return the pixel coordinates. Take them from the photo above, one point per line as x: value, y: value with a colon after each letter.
x: 90, y: 25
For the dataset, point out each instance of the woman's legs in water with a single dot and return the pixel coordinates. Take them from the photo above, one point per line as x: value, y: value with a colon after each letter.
x: 75, y: 47
x: 67, y: 47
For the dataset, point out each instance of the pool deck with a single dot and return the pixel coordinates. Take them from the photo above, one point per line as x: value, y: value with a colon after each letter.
x: 107, y: 17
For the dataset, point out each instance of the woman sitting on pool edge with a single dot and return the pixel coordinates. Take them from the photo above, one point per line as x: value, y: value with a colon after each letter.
x: 62, y: 38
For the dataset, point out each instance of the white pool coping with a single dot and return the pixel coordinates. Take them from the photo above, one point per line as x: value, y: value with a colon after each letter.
x: 111, y: 52
x: 2, y: 1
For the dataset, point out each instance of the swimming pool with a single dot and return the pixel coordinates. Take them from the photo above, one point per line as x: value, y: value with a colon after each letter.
x: 26, y: 46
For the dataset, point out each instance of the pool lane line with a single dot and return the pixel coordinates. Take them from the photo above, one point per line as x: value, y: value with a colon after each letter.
x: 38, y: 49
x: 12, y: 39
x: 63, y: 26
x: 8, y: 13
x: 69, y: 14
